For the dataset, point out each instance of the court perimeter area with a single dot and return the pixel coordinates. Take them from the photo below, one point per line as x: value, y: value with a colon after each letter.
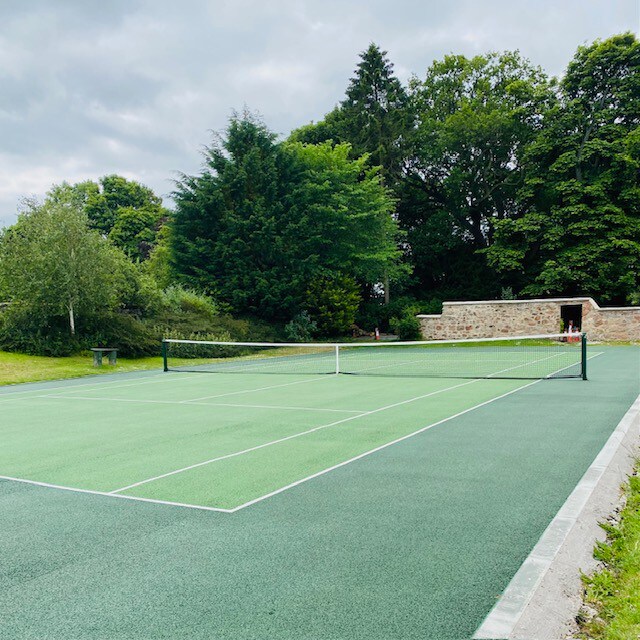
x: 201, y: 505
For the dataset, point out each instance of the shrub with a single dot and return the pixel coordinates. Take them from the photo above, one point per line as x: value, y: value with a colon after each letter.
x: 406, y: 327
x: 132, y: 337
x: 301, y: 328
x: 333, y: 303
x: 376, y: 314
x: 178, y: 298
x: 201, y: 350
x: 24, y: 329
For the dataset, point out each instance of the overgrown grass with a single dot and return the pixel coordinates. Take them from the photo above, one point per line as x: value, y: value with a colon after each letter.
x: 612, y: 597
x: 17, y: 367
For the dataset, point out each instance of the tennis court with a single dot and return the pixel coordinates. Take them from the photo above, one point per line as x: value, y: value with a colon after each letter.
x: 395, y: 503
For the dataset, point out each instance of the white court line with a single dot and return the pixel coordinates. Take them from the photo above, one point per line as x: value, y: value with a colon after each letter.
x: 330, y: 376
x: 291, y: 437
x: 111, y: 495
x: 201, y: 404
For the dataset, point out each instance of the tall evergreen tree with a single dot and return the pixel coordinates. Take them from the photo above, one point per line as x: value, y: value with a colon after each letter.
x: 374, y: 118
x: 375, y: 115
x: 265, y: 220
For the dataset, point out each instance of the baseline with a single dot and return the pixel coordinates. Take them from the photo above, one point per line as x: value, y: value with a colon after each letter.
x: 60, y: 487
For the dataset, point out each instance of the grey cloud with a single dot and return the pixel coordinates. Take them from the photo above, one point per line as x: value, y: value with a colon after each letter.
x: 136, y: 86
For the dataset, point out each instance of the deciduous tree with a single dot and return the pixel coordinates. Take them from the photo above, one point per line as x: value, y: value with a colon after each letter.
x: 580, y: 232
x: 52, y: 263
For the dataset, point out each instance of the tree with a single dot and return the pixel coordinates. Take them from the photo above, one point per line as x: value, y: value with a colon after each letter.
x: 264, y: 219
x: 126, y: 211
x: 52, y: 262
x: 374, y: 118
x: 474, y: 118
x: 580, y: 233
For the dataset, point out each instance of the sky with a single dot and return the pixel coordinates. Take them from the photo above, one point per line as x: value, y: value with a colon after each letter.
x: 136, y: 87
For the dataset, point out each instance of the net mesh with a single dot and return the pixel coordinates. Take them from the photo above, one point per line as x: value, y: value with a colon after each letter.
x: 532, y: 357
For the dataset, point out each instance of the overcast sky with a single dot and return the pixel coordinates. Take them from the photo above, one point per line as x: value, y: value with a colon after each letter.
x: 135, y: 87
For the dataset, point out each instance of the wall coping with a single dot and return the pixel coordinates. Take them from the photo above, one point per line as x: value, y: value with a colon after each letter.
x: 527, y: 301
x: 591, y: 301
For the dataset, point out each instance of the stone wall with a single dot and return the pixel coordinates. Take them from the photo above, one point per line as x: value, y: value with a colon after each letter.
x: 495, y: 318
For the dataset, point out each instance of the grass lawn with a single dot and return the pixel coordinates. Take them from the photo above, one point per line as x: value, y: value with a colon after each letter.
x: 613, y: 593
x: 17, y: 367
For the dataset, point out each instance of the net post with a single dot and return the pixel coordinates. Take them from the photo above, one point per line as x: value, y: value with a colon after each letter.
x: 337, y: 347
x: 164, y: 356
x: 584, y: 355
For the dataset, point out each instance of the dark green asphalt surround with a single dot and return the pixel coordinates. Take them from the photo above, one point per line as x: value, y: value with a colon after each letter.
x: 415, y: 541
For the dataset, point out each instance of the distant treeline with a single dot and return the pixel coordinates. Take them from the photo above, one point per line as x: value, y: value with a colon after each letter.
x: 481, y: 179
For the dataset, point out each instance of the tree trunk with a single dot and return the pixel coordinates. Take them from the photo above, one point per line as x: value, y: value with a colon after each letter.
x: 72, y: 320
x: 386, y: 287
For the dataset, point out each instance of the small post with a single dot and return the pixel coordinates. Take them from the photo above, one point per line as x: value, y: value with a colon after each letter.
x: 164, y: 355
x: 584, y: 355
x: 337, y: 358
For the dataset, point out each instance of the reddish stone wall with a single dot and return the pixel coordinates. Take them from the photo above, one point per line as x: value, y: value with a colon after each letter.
x: 495, y: 318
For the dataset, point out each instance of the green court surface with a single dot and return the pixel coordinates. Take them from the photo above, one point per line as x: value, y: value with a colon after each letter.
x: 326, y: 506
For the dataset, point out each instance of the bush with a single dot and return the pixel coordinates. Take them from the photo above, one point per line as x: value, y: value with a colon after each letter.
x: 178, y: 298
x: 333, y: 303
x: 130, y: 336
x: 407, y: 327
x: 25, y: 330
x: 301, y: 328
x: 200, y: 350
x: 374, y: 313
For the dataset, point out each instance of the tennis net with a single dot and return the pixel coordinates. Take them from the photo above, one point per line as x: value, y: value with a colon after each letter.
x: 525, y: 357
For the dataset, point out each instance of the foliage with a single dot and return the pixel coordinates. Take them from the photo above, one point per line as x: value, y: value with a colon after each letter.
x: 475, y: 116
x: 129, y: 213
x: 201, y: 350
x: 375, y: 117
x: 265, y: 219
x: 177, y: 298
x: 406, y: 327
x: 613, y: 593
x: 580, y: 232
x: 301, y: 328
x: 23, y: 328
x: 374, y: 313
x: 158, y: 264
x: 333, y: 303
x: 52, y: 262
